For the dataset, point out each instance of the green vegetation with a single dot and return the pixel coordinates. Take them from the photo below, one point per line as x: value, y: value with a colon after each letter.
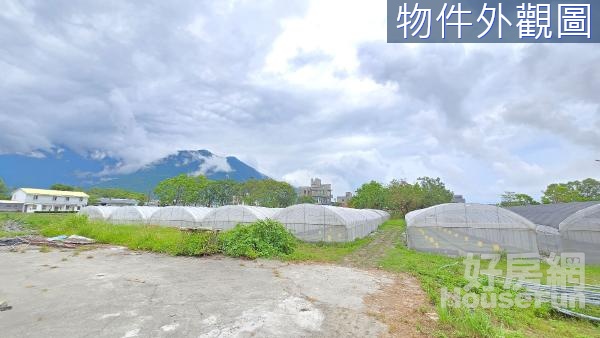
x: 325, y: 252
x: 306, y: 199
x: 575, y: 191
x: 97, y: 193
x: 436, y: 271
x: 181, y: 190
x: 64, y: 187
x: 260, y: 239
x: 401, y: 197
x: 198, y: 190
x: 512, y: 199
x: 4, y: 191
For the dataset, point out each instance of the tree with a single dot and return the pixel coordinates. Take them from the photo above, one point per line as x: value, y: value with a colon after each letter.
x: 434, y: 191
x: 574, y: 191
x: 306, y: 199
x: 512, y: 199
x: 181, y: 190
x: 404, y: 197
x: 561, y: 193
x: 370, y: 195
x: 589, y: 189
x: 267, y: 193
x: 62, y: 187
x: 4, y: 191
x: 219, y: 193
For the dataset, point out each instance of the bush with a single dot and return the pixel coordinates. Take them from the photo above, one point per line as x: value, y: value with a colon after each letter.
x: 265, y: 238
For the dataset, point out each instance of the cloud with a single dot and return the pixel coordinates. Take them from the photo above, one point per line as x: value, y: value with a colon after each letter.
x: 212, y: 164
x: 299, y: 88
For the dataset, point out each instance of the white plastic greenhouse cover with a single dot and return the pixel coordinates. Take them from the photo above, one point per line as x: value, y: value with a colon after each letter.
x: 315, y: 223
x: 97, y: 212
x: 228, y: 216
x: 178, y: 216
x: 132, y: 215
x: 580, y: 232
x: 459, y: 228
x: 382, y: 213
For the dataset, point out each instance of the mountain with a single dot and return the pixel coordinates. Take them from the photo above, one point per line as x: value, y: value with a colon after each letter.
x: 42, y: 169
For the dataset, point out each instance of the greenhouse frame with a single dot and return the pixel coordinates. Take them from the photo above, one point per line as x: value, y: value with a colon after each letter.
x: 100, y: 213
x: 132, y: 215
x: 227, y: 217
x: 566, y: 227
x: 461, y: 228
x: 325, y: 223
x: 178, y: 216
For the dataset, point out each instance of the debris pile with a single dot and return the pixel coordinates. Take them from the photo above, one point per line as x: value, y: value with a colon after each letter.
x: 62, y: 241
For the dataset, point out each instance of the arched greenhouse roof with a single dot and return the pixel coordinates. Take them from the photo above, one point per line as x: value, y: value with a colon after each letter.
x: 556, y: 215
x: 97, y: 212
x: 179, y: 216
x: 325, y: 214
x: 132, y: 214
x: 584, y: 219
x: 467, y: 215
x: 228, y: 216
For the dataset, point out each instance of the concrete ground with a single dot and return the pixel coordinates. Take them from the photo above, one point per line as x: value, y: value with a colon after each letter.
x: 114, y: 292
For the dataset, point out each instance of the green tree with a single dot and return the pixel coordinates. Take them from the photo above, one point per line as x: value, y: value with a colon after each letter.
x: 181, y: 190
x: 219, y: 193
x: 4, y: 191
x: 434, y: 191
x: 267, y: 193
x: 561, y: 193
x: 370, y: 195
x: 589, y: 189
x: 512, y: 199
x: 404, y: 197
x: 306, y: 199
x: 63, y: 187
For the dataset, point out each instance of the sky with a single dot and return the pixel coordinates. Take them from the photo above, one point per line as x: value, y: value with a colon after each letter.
x: 297, y: 89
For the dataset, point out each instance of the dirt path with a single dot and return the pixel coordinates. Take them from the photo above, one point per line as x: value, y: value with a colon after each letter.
x: 369, y: 256
x: 403, y: 306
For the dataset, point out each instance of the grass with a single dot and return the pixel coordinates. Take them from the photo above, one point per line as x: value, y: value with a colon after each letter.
x: 325, y: 252
x: 436, y: 271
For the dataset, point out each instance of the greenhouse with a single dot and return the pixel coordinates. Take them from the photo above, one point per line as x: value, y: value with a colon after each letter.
x: 132, y: 215
x: 324, y: 223
x: 177, y: 216
x: 227, y: 217
x: 459, y: 228
x: 97, y: 212
x: 566, y: 227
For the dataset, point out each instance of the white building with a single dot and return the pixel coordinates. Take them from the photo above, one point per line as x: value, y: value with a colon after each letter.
x: 320, y: 192
x: 50, y: 200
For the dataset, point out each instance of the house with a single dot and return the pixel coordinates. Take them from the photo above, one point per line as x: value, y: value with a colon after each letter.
x: 117, y: 202
x: 317, y: 190
x: 343, y: 200
x: 49, y: 200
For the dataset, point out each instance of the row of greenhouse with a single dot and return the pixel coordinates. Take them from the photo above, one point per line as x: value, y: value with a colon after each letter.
x: 458, y: 228
x: 308, y: 222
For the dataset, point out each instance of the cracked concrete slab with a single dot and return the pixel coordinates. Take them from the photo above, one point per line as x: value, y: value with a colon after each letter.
x: 113, y: 292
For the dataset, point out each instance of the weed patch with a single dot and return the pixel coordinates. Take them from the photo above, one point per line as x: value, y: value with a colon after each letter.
x: 266, y: 238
